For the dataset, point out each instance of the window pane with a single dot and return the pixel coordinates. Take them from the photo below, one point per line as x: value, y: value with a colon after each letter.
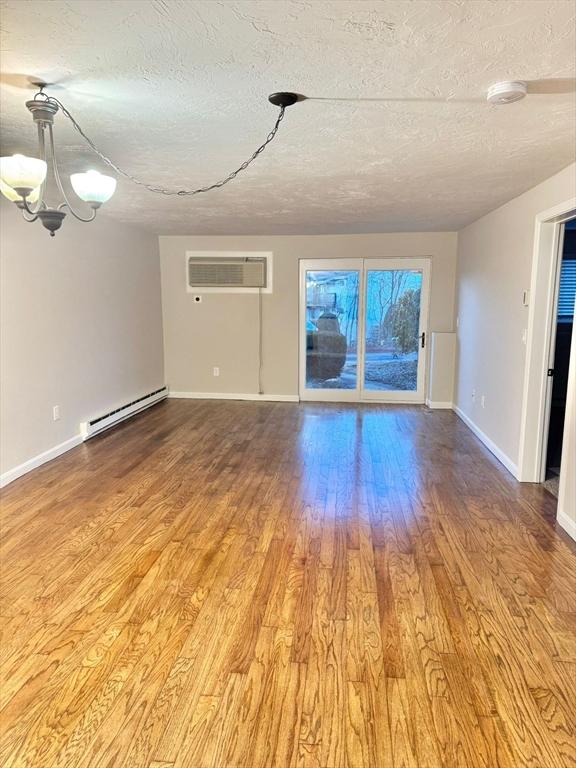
x: 567, y: 290
x: 392, y: 325
x: 331, y: 329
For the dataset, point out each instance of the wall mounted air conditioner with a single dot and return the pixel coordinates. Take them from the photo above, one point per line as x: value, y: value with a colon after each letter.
x: 228, y: 272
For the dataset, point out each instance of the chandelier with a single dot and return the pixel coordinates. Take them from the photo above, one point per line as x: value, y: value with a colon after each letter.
x: 23, y: 179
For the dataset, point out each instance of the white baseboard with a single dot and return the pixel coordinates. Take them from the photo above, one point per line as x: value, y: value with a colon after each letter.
x: 567, y: 523
x: 492, y: 447
x: 232, y: 396
x: 439, y: 404
x: 37, y: 461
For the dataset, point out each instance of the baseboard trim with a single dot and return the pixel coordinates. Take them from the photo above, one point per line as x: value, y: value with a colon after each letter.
x: 567, y: 524
x: 233, y: 396
x: 439, y: 404
x: 505, y: 460
x: 37, y: 461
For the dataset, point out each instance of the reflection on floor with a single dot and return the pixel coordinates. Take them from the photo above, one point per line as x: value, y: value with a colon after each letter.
x: 218, y: 584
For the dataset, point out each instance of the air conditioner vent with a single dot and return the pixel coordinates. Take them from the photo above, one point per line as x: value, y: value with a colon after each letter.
x: 226, y: 272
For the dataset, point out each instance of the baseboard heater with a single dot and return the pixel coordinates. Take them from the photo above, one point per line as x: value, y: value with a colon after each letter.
x: 93, y: 427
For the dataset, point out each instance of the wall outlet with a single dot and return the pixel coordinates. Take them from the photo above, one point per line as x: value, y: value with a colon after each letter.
x: 216, y: 371
x: 483, y: 401
x: 55, y: 413
x: 473, y: 395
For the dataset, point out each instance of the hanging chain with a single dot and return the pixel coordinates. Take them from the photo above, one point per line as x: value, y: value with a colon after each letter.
x: 160, y: 190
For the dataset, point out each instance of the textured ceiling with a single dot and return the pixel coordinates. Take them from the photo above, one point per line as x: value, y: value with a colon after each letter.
x: 175, y: 91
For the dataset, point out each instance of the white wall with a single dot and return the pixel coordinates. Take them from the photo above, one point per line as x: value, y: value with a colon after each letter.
x: 222, y: 330
x: 494, y: 267
x: 81, y: 327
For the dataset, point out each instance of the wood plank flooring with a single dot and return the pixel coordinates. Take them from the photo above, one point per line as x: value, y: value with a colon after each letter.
x: 249, y: 585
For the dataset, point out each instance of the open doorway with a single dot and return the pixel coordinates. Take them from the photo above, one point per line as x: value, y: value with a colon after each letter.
x: 561, y: 340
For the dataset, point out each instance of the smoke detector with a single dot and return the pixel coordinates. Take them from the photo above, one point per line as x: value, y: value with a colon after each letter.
x: 506, y: 92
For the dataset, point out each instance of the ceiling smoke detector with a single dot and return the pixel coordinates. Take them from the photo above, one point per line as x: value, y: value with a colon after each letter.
x: 506, y: 92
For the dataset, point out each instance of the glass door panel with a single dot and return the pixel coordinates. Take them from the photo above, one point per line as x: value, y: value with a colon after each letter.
x: 394, y: 354
x: 363, y: 329
x: 330, y: 315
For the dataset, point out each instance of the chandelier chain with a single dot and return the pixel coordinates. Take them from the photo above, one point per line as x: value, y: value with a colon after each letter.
x: 161, y: 190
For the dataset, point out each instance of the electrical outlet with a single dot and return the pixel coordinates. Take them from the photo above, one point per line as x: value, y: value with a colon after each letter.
x: 483, y: 401
x: 216, y: 371
x: 55, y: 413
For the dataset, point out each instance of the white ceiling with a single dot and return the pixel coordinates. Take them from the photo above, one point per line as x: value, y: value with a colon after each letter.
x: 175, y: 91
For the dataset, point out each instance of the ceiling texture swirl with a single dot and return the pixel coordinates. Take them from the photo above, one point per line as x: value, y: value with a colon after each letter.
x: 396, y: 134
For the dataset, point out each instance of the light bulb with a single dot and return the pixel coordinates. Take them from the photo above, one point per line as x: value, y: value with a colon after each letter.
x: 22, y: 173
x: 93, y: 187
x: 14, y: 197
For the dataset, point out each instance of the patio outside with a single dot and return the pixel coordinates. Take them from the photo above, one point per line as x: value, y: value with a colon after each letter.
x: 392, y: 324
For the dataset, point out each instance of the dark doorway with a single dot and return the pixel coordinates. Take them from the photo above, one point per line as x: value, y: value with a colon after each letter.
x: 564, y: 325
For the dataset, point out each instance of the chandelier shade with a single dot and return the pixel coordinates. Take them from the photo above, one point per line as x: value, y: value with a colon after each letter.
x: 22, y: 174
x: 93, y: 187
x: 14, y: 197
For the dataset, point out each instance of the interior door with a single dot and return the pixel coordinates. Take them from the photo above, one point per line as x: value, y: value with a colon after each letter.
x: 549, y: 384
x: 395, y: 329
x: 330, y: 318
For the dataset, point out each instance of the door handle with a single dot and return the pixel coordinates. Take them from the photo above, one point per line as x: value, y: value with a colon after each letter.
x: 423, y: 339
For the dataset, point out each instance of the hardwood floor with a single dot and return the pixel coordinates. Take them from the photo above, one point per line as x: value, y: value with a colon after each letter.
x: 248, y: 585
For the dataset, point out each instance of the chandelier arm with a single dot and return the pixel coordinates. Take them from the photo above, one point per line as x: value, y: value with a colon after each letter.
x: 25, y: 208
x: 40, y: 202
x: 29, y: 220
x: 161, y: 190
x: 76, y: 215
x: 66, y: 203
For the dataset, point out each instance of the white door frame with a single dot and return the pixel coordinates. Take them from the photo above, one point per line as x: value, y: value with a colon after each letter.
x: 361, y: 265
x: 536, y: 395
x: 551, y: 349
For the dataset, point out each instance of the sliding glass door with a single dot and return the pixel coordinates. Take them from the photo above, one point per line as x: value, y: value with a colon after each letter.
x: 394, y: 329
x: 363, y: 325
x: 330, y: 329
